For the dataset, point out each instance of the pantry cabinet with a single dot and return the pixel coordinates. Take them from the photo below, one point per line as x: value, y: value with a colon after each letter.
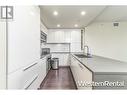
x: 3, y: 54
x: 23, y: 37
x: 24, y: 66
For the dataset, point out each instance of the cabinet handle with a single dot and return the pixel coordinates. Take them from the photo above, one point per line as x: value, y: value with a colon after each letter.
x: 29, y: 67
x: 31, y: 82
x: 80, y: 66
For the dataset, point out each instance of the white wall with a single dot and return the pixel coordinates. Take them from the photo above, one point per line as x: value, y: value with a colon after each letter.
x: 24, y: 37
x: 108, y: 41
x: 2, y: 54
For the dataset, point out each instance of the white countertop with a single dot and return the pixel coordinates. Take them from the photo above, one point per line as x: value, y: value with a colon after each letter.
x: 100, y: 65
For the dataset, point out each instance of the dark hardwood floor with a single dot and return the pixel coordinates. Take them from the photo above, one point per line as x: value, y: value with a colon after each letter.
x: 59, y: 79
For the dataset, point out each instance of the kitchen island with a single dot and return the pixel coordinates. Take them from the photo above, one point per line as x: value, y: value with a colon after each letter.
x: 99, y: 70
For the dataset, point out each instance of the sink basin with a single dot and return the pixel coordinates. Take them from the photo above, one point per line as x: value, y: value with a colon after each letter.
x: 83, y: 56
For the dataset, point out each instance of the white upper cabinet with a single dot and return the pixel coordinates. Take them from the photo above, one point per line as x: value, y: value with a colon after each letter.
x: 64, y: 35
x: 72, y: 36
x: 67, y: 37
x: 76, y: 36
x: 55, y: 36
x: 59, y: 36
x: 50, y: 36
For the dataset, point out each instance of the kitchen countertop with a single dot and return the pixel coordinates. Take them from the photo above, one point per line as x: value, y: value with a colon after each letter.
x: 101, y: 65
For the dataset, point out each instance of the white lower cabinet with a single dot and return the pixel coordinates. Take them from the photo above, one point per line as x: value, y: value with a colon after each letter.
x: 29, y: 77
x: 63, y: 58
x: 39, y: 77
x: 80, y: 73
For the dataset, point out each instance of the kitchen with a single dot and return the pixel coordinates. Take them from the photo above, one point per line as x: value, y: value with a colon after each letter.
x: 88, y: 44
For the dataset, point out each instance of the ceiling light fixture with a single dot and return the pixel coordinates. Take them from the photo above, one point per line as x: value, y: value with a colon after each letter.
x: 55, y: 13
x: 76, y: 25
x: 58, y: 25
x: 83, y: 13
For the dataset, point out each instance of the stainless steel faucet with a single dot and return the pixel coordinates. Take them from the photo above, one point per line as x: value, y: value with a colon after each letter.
x: 88, y: 51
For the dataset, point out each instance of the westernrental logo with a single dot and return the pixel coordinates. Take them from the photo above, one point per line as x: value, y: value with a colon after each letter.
x: 100, y: 84
x: 6, y: 12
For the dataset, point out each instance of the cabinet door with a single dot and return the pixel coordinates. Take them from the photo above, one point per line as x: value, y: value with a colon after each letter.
x: 59, y: 36
x: 23, y: 37
x: 42, y: 71
x: 67, y: 36
x: 84, y: 75
x: 74, y: 68
x: 81, y: 73
x: 50, y: 36
x: 3, y: 54
x: 76, y: 36
x: 55, y: 36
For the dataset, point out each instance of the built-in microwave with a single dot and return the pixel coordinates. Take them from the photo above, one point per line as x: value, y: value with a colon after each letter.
x: 43, y: 37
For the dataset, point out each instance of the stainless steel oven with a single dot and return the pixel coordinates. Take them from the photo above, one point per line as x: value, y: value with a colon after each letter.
x: 44, y: 52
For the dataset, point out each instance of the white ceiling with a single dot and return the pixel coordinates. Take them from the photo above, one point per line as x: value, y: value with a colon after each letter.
x: 70, y: 15
x: 113, y: 13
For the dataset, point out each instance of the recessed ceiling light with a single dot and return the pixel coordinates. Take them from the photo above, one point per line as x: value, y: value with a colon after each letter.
x: 83, y: 13
x: 76, y: 25
x: 55, y: 13
x: 58, y: 25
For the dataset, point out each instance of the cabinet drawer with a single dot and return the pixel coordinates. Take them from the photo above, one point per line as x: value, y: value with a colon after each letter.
x: 19, y: 79
x: 39, y: 77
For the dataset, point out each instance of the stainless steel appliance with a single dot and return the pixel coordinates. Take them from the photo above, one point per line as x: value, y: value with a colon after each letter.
x: 44, y: 52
